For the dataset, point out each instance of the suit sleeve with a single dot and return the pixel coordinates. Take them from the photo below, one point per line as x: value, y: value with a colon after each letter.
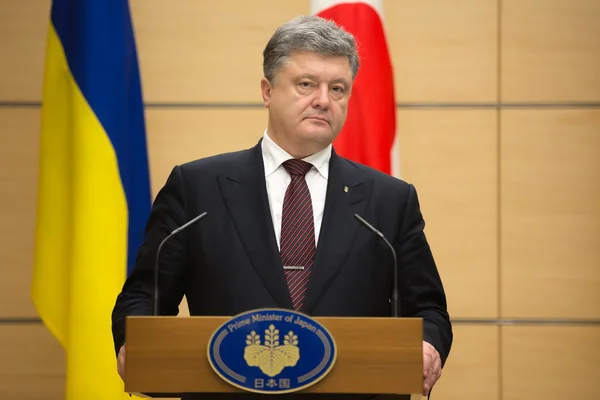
x: 421, y: 290
x: 168, y: 213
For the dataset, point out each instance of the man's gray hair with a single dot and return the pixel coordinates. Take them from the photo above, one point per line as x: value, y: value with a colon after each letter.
x: 308, y: 33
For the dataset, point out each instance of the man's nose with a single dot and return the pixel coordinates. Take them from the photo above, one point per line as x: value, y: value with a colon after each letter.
x: 321, y: 97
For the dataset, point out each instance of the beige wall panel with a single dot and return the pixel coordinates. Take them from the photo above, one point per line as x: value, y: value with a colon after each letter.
x: 209, y: 51
x: 451, y: 157
x: 550, y: 214
x: 471, y: 371
x: 32, y: 366
x: 550, y: 363
x: 176, y: 136
x: 443, y: 51
x: 23, y: 31
x: 550, y: 50
x: 18, y: 182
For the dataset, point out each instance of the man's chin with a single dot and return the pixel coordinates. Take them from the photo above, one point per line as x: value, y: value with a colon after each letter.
x: 319, y: 135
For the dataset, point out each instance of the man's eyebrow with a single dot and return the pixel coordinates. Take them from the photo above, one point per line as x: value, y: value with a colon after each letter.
x: 314, y: 78
x: 307, y: 76
x: 341, y: 80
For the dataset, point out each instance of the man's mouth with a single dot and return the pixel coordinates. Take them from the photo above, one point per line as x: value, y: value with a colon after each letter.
x: 323, y: 119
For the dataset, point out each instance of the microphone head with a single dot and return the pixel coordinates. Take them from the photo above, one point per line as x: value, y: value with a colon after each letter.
x: 360, y: 219
x: 368, y: 225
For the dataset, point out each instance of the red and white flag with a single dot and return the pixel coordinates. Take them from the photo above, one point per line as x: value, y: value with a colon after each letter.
x: 369, y: 134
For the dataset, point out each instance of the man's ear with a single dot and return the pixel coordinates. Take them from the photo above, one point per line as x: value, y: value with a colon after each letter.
x: 265, y: 89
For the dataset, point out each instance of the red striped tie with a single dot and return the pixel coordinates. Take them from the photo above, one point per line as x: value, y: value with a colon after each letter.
x: 297, y: 232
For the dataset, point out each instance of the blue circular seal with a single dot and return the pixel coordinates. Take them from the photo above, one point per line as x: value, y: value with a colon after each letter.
x: 272, y: 351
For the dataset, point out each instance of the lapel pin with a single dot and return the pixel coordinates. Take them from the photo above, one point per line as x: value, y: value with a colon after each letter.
x: 345, y: 189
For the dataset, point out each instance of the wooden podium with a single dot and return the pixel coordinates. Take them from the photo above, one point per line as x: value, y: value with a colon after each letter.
x: 167, y: 356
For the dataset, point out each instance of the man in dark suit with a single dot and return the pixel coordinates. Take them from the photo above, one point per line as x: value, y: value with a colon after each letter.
x: 280, y: 230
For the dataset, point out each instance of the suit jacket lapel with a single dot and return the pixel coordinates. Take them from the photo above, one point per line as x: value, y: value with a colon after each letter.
x: 347, y: 194
x: 245, y: 196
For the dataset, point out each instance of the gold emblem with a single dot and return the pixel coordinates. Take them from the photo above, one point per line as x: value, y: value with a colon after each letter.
x: 345, y: 189
x: 270, y: 357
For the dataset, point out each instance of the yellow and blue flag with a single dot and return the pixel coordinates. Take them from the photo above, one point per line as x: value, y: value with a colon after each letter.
x: 94, y: 190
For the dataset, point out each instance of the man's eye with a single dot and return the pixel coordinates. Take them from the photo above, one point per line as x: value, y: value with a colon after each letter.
x: 338, y: 89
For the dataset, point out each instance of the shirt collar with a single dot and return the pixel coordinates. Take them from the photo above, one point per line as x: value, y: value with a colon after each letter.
x: 274, y: 156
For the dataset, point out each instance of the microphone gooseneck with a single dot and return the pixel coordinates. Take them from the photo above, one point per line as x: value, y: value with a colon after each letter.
x: 156, y: 263
x: 395, y: 300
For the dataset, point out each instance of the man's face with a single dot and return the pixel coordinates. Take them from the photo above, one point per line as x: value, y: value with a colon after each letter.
x: 308, y: 101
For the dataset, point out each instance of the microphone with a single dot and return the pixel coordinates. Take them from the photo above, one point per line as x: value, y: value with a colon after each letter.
x: 395, y: 301
x: 175, y: 232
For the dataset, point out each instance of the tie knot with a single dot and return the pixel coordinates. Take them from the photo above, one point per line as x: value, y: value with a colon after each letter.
x: 297, y: 167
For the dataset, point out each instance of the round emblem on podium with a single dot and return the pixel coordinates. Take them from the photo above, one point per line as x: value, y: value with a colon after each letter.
x: 272, y: 351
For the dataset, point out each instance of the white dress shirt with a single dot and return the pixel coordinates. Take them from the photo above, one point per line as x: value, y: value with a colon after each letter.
x: 278, y: 179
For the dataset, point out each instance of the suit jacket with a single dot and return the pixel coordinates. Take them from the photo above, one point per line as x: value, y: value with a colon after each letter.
x: 229, y: 262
